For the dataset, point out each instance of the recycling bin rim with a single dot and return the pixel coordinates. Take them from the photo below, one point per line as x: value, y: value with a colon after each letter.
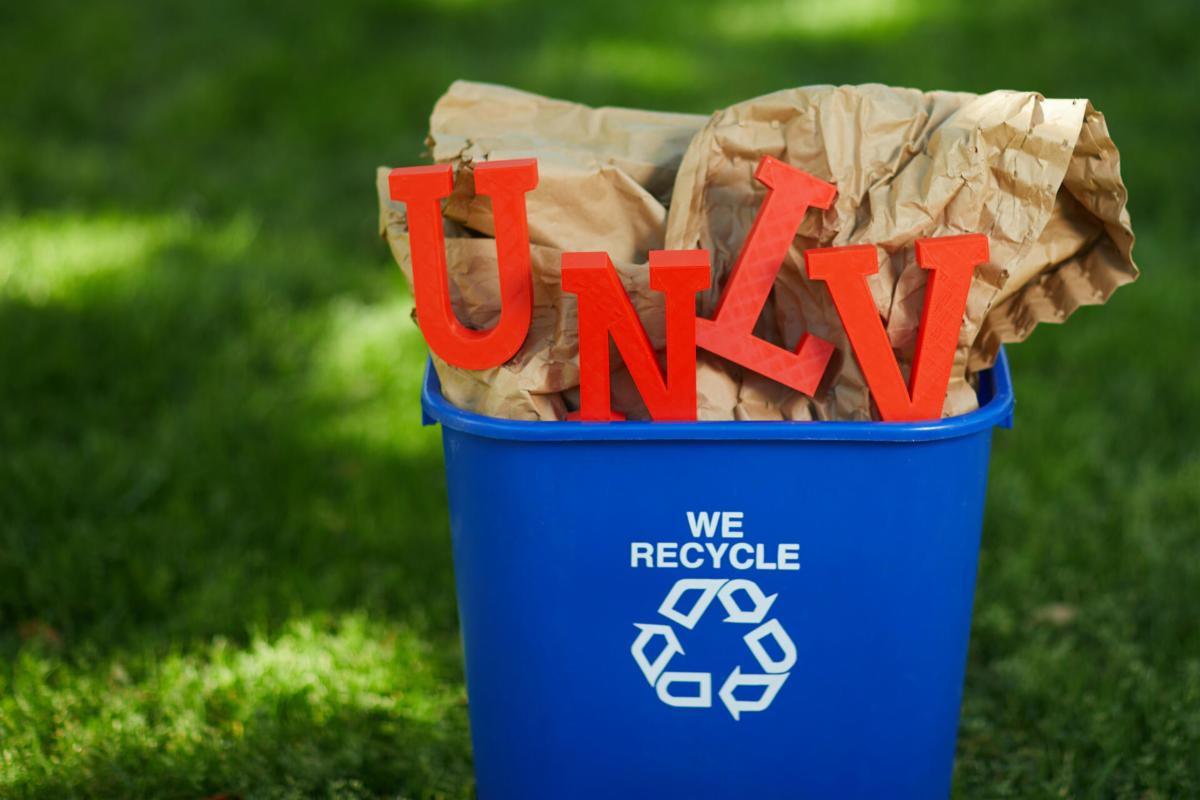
x: 996, y: 409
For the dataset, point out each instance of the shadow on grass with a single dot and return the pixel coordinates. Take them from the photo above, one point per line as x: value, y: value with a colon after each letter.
x: 182, y: 458
x: 224, y: 558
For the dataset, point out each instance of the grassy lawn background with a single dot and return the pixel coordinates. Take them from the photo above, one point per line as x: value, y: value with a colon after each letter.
x: 224, y: 558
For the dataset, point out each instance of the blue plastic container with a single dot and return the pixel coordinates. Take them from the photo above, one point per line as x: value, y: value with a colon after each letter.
x: 818, y: 654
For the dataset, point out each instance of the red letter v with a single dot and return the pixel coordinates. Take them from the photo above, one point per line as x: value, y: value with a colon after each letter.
x: 951, y: 261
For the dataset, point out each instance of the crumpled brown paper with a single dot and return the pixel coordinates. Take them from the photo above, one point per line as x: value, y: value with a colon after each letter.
x: 1039, y: 177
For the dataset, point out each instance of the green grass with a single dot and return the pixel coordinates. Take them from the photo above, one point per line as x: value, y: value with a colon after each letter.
x: 224, y: 561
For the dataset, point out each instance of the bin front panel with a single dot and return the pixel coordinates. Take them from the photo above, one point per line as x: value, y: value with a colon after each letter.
x: 840, y: 592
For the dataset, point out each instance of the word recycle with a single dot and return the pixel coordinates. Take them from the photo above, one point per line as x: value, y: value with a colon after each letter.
x: 704, y: 552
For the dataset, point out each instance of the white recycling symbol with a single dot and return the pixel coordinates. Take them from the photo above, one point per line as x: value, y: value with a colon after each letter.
x: 774, y: 670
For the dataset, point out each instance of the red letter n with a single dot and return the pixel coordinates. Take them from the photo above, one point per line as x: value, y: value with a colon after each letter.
x: 605, y: 310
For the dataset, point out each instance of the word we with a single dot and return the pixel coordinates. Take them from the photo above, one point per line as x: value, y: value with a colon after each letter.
x: 714, y: 554
x: 605, y: 312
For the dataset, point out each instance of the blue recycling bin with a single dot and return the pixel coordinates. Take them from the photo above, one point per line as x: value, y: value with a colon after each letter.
x: 747, y: 610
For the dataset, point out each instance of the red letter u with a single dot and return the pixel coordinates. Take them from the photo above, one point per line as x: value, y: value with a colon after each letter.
x: 421, y: 189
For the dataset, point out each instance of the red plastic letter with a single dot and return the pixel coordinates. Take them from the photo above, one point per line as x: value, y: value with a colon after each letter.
x: 604, y: 310
x: 951, y: 261
x: 421, y: 189
x: 729, y: 334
